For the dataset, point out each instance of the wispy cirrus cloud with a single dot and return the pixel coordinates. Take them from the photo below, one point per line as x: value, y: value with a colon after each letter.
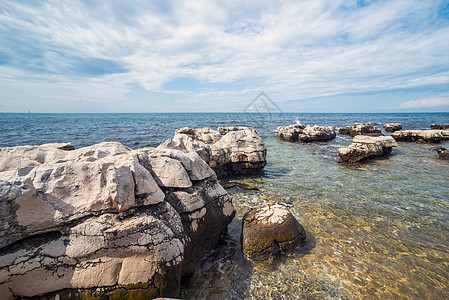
x: 292, y: 50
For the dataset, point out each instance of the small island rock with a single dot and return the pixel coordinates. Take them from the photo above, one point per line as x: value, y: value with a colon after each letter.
x: 442, y: 152
x: 364, y: 147
x: 439, y: 126
x: 392, y: 127
x: 293, y: 133
x: 361, y: 129
x: 268, y: 230
x: 418, y: 136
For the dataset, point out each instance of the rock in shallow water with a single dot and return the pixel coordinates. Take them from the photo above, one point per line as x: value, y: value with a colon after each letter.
x: 231, y: 151
x: 361, y: 129
x: 364, y: 147
x: 105, y: 217
x: 392, y: 127
x: 315, y: 133
x: 418, y: 136
x: 268, y: 230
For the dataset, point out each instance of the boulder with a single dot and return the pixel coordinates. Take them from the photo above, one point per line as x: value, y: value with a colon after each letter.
x: 364, y: 147
x: 392, y: 127
x: 268, y: 230
x: 361, y: 129
x: 418, y: 136
x: 445, y: 134
x: 105, y: 219
x: 231, y: 151
x: 293, y: 133
x: 442, y: 152
x: 439, y: 126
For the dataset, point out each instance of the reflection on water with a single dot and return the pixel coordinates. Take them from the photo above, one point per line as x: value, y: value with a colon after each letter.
x: 375, y: 230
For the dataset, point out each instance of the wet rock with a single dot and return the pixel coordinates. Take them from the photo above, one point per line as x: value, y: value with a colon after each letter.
x: 270, y: 229
x: 445, y: 134
x: 105, y: 218
x: 392, y: 127
x: 231, y: 151
x: 418, y: 136
x: 365, y: 147
x: 361, y: 129
x: 442, y: 152
x: 439, y: 126
x: 293, y: 133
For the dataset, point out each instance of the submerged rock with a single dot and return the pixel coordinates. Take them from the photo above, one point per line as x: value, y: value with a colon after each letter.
x: 418, y: 136
x: 364, y: 147
x: 392, y: 127
x: 293, y: 133
x: 105, y: 218
x: 439, y: 126
x: 361, y: 129
x: 268, y: 230
x: 231, y: 151
x: 442, y: 152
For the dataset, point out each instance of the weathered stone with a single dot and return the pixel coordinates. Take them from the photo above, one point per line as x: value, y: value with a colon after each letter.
x: 442, y: 152
x: 293, y: 133
x: 418, y: 136
x: 439, y: 126
x: 364, y: 147
x: 445, y: 134
x: 361, y: 129
x: 103, y: 219
x: 239, y: 151
x: 392, y: 127
x: 270, y: 229
x: 225, y: 130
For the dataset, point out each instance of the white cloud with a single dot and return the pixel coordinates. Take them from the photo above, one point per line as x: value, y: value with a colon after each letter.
x: 290, y: 49
x: 436, y: 101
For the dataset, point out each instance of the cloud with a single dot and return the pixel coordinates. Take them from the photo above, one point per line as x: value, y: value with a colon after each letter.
x: 289, y: 49
x: 427, y: 102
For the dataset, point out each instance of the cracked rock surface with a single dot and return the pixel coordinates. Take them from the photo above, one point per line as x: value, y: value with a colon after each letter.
x: 364, y: 147
x: 315, y: 133
x: 361, y: 129
x: 419, y: 136
x: 268, y: 230
x: 392, y: 127
x: 229, y: 151
x: 105, y: 220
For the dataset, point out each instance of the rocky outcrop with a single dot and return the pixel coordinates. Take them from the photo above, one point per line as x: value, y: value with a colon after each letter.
x: 268, y: 230
x: 361, y: 129
x: 231, y: 151
x: 445, y: 134
x: 418, y: 136
x: 392, y: 127
x: 293, y: 133
x: 365, y: 147
x: 439, y: 126
x: 105, y: 219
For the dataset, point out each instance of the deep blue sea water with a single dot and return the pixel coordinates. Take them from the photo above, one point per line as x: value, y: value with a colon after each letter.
x: 376, y: 230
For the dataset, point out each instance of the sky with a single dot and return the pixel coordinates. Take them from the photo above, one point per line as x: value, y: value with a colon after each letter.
x: 219, y: 56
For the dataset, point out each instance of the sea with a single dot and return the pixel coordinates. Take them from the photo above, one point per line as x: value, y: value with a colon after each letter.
x: 375, y: 230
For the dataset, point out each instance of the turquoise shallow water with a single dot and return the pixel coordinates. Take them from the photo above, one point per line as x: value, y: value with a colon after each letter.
x: 377, y: 230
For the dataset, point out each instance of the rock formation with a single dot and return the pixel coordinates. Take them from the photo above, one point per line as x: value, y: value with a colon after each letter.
x: 268, y: 230
x: 364, y: 147
x: 361, y: 129
x: 439, y: 126
x: 392, y: 127
x: 105, y: 220
x: 293, y: 133
x: 418, y: 136
x: 230, y: 151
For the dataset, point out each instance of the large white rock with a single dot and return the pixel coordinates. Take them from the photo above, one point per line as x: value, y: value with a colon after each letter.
x: 105, y: 217
x: 293, y: 133
x: 364, y: 147
x: 418, y: 136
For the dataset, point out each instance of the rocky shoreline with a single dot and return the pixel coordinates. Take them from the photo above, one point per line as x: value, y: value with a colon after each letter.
x: 107, y: 221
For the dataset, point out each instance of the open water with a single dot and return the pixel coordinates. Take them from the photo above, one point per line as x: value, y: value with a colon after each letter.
x: 377, y: 230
